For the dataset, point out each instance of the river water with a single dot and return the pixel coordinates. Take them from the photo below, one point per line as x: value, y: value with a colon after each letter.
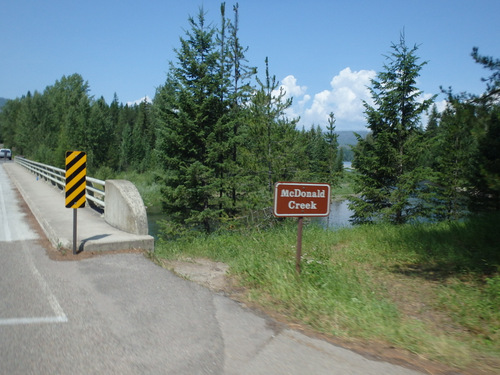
x: 338, y: 218
x: 339, y: 215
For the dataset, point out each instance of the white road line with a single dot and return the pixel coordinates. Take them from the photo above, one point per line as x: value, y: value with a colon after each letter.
x: 60, y: 315
x: 22, y: 321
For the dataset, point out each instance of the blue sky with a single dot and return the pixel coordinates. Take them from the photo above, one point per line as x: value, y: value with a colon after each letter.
x: 324, y: 52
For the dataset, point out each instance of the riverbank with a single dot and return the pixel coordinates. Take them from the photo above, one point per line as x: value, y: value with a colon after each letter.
x: 432, y: 291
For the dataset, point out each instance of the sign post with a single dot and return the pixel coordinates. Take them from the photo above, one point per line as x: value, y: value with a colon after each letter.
x: 76, y: 184
x: 301, y: 199
x: 298, y: 254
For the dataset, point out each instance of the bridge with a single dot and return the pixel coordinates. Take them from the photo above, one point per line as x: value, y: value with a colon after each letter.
x: 114, y: 218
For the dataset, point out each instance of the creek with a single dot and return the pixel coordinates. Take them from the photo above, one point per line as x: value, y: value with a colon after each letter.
x: 339, y: 215
x: 338, y: 218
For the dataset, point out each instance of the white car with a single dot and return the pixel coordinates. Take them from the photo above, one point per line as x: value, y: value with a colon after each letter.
x: 5, y: 153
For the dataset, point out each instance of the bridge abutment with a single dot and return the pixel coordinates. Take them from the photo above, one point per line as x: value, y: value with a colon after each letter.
x: 125, y: 209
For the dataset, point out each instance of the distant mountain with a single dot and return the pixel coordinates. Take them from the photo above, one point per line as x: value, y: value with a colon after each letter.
x: 2, y: 102
x: 348, y: 138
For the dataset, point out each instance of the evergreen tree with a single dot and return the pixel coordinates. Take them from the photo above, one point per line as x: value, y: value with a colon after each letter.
x: 466, y: 157
x: 113, y: 152
x: 98, y: 134
x: 317, y: 166
x: 271, y: 138
x: 220, y: 142
x: 44, y: 126
x: 433, y: 122
x: 335, y: 159
x: 142, y: 138
x: 486, y: 176
x: 240, y: 91
x: 428, y: 158
x: 389, y: 177
x: 187, y: 109
x: 70, y: 105
x: 24, y: 125
x: 8, y: 121
x: 492, y: 93
x: 125, y: 126
x: 454, y: 152
x: 339, y: 168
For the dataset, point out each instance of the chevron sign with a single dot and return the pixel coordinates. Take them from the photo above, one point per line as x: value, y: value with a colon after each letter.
x: 76, y: 174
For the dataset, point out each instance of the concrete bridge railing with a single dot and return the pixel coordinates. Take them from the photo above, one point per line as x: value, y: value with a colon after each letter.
x: 119, y: 200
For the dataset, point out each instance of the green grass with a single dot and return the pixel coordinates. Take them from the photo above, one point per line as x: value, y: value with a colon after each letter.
x: 345, y: 188
x: 149, y: 186
x: 432, y: 289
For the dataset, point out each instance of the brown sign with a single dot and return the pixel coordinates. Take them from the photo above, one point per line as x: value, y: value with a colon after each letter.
x: 301, y: 199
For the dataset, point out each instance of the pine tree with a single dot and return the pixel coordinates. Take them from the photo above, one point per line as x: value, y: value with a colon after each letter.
x: 113, y: 152
x: 24, y: 125
x: 271, y: 136
x: 466, y: 156
x: 70, y: 108
x: 486, y: 175
x: 142, y: 138
x: 493, y: 81
x: 453, y: 155
x: 428, y: 158
x: 126, y: 120
x: 240, y: 91
x: 334, y: 158
x: 389, y: 176
x: 433, y: 122
x: 187, y: 110
x: 316, y: 167
x: 97, y: 135
x: 8, y: 122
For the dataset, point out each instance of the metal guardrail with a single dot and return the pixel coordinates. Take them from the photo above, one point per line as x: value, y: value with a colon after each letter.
x: 96, y: 189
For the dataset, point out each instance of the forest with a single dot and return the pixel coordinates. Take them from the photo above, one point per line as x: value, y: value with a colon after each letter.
x: 217, y: 138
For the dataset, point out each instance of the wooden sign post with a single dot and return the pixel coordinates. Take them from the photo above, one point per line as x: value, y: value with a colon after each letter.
x: 301, y: 199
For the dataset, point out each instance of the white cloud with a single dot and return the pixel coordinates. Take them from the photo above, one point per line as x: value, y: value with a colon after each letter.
x: 139, y: 101
x: 441, y: 105
x: 348, y: 90
x: 290, y: 87
x: 319, y: 107
x: 304, y: 100
x: 344, y: 99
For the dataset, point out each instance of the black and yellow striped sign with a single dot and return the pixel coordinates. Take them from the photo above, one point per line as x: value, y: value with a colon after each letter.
x: 76, y: 174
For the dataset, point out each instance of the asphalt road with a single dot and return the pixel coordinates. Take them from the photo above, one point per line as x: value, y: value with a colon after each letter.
x: 122, y: 314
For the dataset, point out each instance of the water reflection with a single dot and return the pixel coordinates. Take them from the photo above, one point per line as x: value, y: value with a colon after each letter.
x: 339, y: 215
x: 153, y: 223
